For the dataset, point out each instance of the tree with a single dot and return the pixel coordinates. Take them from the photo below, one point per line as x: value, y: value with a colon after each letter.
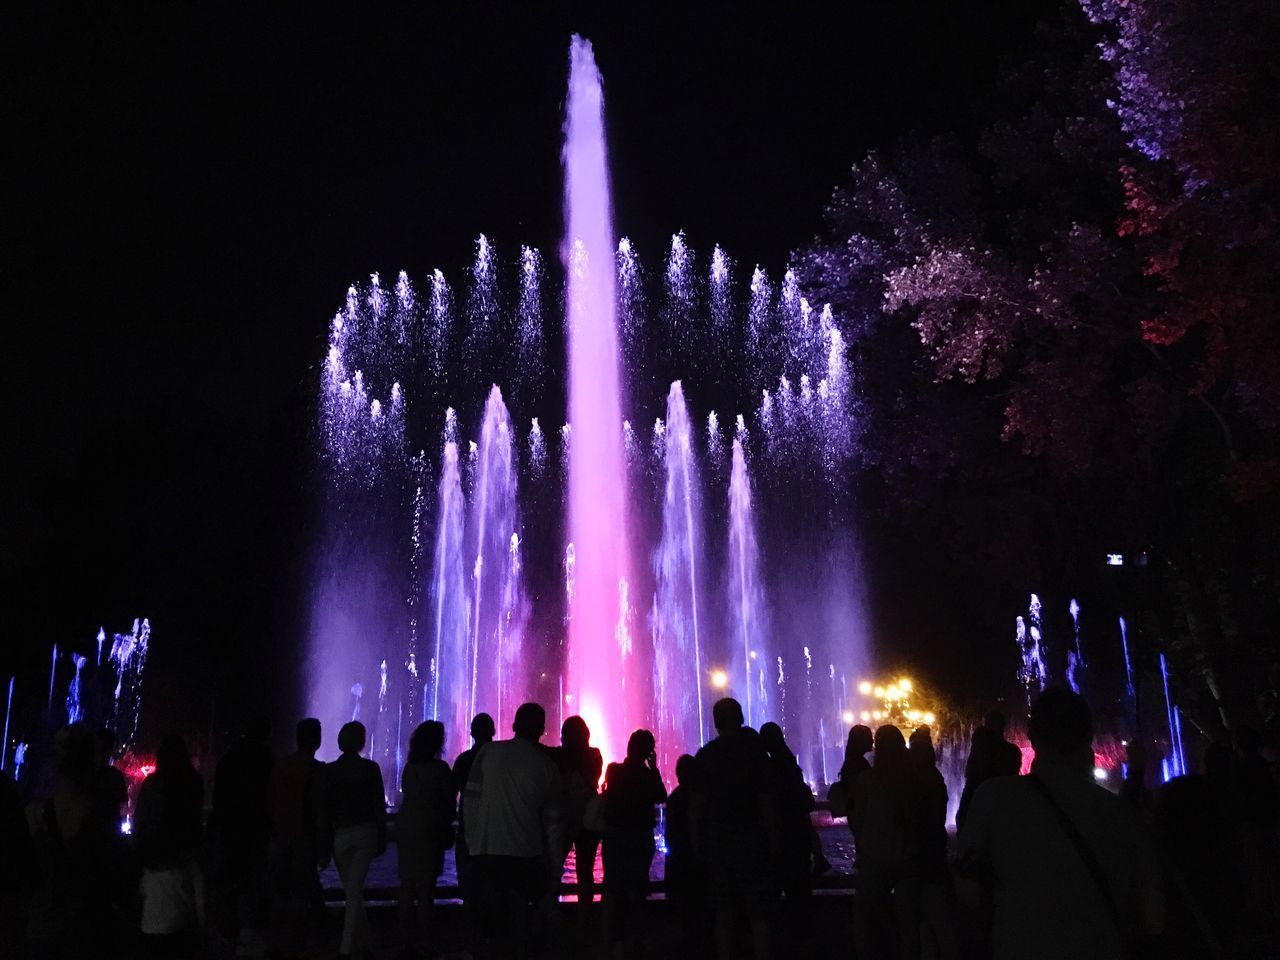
x: 1073, y: 306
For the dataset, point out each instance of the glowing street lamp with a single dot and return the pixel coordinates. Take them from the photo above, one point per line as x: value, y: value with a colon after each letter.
x: 719, y: 679
x: 865, y: 688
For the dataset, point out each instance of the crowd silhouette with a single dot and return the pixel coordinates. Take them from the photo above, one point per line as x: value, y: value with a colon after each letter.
x: 1048, y: 864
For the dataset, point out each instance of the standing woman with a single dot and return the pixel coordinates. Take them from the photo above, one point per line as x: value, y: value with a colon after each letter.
x: 632, y: 789
x: 354, y: 814
x: 580, y: 765
x: 424, y: 831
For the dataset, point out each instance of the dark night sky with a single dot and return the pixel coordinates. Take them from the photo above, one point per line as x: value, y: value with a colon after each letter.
x: 192, y: 187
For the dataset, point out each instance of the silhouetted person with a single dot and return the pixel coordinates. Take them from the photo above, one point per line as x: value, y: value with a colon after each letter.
x: 580, y: 765
x: 242, y: 834
x: 735, y: 828
x: 990, y: 755
x: 77, y: 879
x: 295, y: 816
x: 514, y: 833
x: 167, y: 828
x: 15, y: 865
x: 633, y: 789
x: 857, y: 746
x: 1071, y: 866
x: 482, y: 731
x: 936, y: 907
x: 1197, y: 829
x: 1257, y: 808
x: 792, y: 856
x: 354, y: 815
x: 887, y: 814
x: 684, y: 875
x: 424, y: 831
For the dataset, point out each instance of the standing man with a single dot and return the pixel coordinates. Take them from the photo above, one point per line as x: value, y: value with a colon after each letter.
x: 735, y: 826
x: 990, y: 755
x: 512, y: 821
x: 482, y: 731
x: 294, y: 799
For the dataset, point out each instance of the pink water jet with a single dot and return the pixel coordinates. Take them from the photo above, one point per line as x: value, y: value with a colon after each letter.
x: 603, y: 680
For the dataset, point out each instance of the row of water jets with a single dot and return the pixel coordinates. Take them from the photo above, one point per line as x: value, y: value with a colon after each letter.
x: 104, y: 693
x: 1034, y: 674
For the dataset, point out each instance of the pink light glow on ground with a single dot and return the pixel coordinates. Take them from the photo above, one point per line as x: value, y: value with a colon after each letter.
x: 601, y: 676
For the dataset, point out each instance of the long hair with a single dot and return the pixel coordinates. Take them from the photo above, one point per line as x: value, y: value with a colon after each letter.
x: 427, y: 742
x: 575, y: 735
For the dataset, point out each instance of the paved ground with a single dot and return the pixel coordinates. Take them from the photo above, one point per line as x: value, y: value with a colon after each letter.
x: 828, y: 935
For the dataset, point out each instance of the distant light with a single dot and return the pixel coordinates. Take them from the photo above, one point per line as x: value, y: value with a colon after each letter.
x: 847, y: 717
x: 753, y: 654
x: 1099, y: 773
x: 929, y: 718
x: 879, y: 692
x: 864, y: 688
x: 126, y: 826
x: 866, y: 715
x: 905, y: 684
x: 877, y: 714
x: 1115, y: 559
x: 719, y: 679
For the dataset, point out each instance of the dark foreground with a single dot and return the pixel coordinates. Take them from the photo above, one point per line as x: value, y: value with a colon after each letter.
x: 829, y: 933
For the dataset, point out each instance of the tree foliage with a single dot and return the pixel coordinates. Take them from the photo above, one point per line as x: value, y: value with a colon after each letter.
x: 1072, y: 308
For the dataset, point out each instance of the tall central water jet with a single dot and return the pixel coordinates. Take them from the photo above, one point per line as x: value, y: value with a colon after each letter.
x: 602, y: 678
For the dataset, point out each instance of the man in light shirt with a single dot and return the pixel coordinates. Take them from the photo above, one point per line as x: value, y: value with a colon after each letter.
x: 1071, y: 866
x: 512, y: 819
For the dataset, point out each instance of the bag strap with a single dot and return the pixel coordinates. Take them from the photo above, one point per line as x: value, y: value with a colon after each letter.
x: 1086, y: 855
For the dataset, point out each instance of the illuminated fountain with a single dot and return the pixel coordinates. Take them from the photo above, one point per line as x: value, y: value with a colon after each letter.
x: 545, y: 548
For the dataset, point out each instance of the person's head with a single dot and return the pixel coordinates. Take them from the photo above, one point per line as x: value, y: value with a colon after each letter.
x: 351, y: 737
x: 775, y: 744
x: 686, y: 767
x: 427, y: 741
x: 860, y: 742
x: 530, y: 722
x: 994, y: 721
x: 890, y: 747
x: 172, y: 754
x: 483, y: 728
x: 75, y: 752
x: 575, y: 735
x: 922, y: 750
x: 307, y: 735
x: 640, y: 746
x: 1060, y: 725
x: 727, y: 715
